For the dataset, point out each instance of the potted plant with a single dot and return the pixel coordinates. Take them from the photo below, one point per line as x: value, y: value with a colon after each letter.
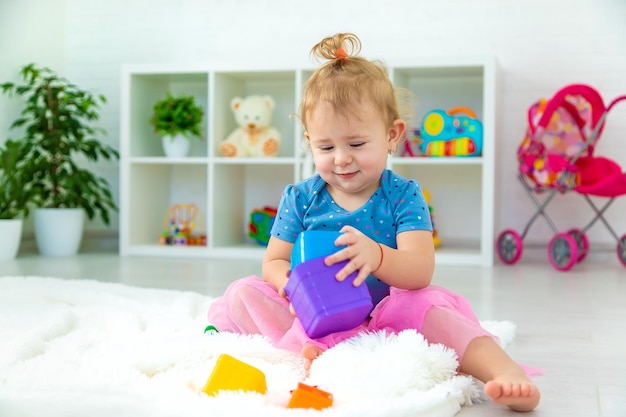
x: 176, y: 120
x: 58, y: 138
x: 16, y: 195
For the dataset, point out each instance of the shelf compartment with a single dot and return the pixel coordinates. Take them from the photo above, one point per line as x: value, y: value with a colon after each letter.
x: 238, y: 189
x: 442, y: 88
x: 280, y: 85
x: 456, y: 191
x: 154, y: 188
x: 145, y: 90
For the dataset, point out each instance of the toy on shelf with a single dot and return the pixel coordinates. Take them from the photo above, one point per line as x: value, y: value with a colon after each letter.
x: 254, y: 136
x: 323, y: 304
x: 306, y: 396
x: 261, y: 221
x: 456, y: 132
x: 412, y: 144
x: 428, y: 197
x: 232, y: 374
x: 179, y: 226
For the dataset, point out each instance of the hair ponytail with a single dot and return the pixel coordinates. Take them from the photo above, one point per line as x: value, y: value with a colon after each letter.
x: 337, y: 48
x: 347, y: 79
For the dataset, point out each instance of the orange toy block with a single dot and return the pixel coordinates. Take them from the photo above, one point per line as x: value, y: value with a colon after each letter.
x: 306, y: 396
x: 232, y: 374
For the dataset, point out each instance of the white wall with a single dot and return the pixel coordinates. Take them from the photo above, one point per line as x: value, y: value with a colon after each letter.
x: 541, y: 45
x: 30, y: 31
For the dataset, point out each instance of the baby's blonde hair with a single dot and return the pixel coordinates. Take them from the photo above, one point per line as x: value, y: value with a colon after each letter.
x: 347, y: 80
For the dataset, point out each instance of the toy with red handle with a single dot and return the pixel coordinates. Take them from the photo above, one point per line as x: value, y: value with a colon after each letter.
x: 455, y: 132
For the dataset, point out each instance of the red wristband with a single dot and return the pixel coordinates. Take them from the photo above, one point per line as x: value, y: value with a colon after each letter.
x: 382, y: 256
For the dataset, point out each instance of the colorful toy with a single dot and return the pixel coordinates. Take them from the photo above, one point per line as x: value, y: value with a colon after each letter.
x: 261, y: 222
x: 232, y: 374
x: 427, y: 196
x: 306, y: 396
x: 255, y: 136
x: 450, y: 133
x: 323, y: 304
x: 179, y: 224
x: 413, y: 144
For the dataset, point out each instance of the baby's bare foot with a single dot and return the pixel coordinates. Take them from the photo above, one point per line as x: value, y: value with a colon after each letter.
x: 518, y: 393
x: 309, y: 353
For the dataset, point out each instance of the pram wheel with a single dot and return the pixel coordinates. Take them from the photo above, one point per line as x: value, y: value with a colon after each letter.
x: 621, y: 250
x: 563, y: 252
x: 509, y: 246
x: 581, y: 241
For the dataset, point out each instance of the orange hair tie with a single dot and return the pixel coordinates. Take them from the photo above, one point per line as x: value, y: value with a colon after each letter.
x: 340, y: 54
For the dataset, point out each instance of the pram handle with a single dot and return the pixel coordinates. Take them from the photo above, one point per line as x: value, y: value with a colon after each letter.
x: 614, y: 102
x: 589, y: 93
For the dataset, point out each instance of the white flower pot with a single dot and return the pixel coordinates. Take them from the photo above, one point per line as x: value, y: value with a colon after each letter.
x: 10, y: 238
x: 175, y: 147
x: 59, y: 231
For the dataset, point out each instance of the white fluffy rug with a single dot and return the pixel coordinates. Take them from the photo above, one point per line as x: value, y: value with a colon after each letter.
x: 85, y: 348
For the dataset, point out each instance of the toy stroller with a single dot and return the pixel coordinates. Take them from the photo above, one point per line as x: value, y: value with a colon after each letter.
x: 556, y: 156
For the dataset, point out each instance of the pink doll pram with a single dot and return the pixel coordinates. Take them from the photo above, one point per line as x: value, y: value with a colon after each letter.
x: 556, y: 156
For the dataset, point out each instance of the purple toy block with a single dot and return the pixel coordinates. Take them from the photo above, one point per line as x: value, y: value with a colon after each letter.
x: 312, y: 244
x: 323, y: 304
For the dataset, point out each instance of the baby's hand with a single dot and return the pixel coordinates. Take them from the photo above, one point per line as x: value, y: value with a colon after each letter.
x: 362, y: 253
x: 282, y: 293
x: 281, y: 289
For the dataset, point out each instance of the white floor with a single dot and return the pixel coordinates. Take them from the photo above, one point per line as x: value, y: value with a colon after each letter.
x: 573, y: 325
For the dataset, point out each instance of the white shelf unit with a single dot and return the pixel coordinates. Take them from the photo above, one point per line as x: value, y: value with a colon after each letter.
x: 228, y: 189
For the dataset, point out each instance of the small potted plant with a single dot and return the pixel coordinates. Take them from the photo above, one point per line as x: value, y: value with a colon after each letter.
x: 177, y: 120
x: 58, y: 138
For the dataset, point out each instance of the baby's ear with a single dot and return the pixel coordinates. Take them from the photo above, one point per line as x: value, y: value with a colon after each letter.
x: 396, y: 132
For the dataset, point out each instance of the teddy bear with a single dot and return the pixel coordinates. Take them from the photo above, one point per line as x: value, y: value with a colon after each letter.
x: 254, y: 137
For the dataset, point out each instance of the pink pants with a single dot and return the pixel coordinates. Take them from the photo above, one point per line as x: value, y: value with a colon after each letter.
x: 253, y: 306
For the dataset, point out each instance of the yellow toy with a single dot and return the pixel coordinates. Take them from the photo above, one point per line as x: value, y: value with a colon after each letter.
x: 234, y: 375
x: 255, y: 137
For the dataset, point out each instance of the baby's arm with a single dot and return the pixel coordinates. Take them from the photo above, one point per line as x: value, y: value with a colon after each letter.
x: 276, y: 263
x: 409, y: 267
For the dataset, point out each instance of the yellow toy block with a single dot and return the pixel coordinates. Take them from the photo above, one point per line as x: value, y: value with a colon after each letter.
x: 232, y: 374
x: 306, y: 396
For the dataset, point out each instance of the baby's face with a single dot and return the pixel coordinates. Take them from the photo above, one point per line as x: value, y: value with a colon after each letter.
x: 349, y: 149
